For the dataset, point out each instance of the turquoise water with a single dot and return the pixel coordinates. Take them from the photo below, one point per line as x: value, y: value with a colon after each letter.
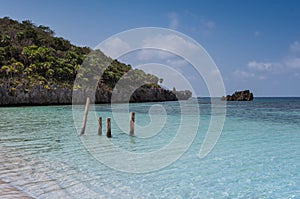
x: 256, y: 156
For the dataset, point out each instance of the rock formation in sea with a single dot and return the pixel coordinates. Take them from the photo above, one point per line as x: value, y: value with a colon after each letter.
x: 245, y: 95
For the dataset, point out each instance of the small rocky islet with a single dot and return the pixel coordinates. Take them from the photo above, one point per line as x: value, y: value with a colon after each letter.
x: 244, y: 95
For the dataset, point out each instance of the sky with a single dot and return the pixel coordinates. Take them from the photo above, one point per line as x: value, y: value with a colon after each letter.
x: 254, y: 44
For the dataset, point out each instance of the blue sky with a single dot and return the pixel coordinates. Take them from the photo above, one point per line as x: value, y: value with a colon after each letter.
x: 255, y: 44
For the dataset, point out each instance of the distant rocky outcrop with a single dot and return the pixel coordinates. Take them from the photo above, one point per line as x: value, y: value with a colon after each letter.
x: 245, y: 95
x: 183, y: 95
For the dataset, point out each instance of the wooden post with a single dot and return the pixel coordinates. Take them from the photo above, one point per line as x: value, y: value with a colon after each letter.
x: 131, y: 131
x: 86, y: 111
x: 108, y: 128
x: 99, y: 125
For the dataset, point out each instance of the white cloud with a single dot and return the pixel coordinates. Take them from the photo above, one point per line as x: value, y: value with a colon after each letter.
x: 177, y: 62
x: 262, y: 77
x: 161, y: 56
x: 114, y: 47
x: 216, y: 72
x: 171, y: 42
x: 292, y: 62
x: 267, y: 67
x: 174, y: 20
x: 171, y: 77
x: 167, y: 48
x: 295, y: 47
x: 243, y: 74
x: 261, y: 70
x: 153, y: 54
x: 260, y: 65
x: 207, y: 26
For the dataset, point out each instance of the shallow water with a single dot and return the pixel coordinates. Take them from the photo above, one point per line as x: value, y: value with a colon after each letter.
x: 256, y: 156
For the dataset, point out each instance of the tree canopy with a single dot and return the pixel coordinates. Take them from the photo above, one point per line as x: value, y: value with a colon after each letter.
x: 31, y: 55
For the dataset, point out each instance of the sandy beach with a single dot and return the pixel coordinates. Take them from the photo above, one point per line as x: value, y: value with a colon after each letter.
x: 7, y: 191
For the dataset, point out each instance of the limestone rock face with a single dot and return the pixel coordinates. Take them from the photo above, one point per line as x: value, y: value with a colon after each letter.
x: 38, y: 95
x: 245, y: 95
x: 152, y: 95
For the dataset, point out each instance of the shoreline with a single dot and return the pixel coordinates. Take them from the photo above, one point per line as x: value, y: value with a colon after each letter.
x: 83, y: 103
x: 103, y: 103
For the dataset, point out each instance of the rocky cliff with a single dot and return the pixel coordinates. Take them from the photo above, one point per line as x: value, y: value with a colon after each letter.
x: 245, y: 95
x: 38, y: 95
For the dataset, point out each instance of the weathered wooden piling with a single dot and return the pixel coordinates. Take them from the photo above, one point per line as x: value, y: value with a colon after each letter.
x: 131, y: 131
x: 86, y: 111
x: 99, y: 125
x: 108, y: 128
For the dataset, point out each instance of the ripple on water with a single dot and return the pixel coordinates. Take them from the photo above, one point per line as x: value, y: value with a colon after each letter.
x: 257, y: 155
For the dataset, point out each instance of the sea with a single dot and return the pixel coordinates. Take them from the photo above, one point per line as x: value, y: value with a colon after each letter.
x: 252, y: 150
